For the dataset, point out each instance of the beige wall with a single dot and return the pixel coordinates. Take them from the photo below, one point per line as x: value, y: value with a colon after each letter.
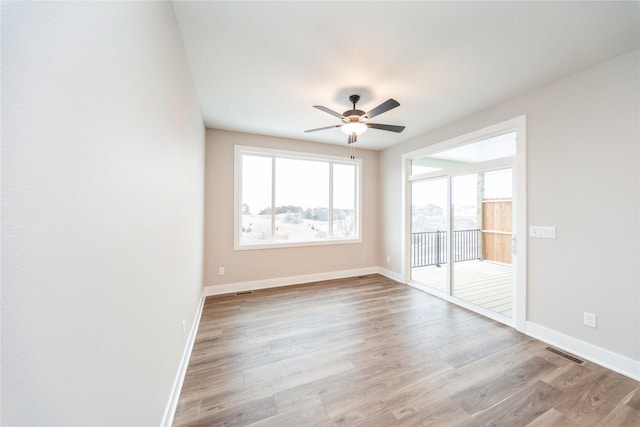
x: 102, y: 200
x: 583, y: 166
x: 253, y: 265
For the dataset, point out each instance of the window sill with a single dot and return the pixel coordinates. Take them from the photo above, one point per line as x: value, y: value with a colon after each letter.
x: 282, y: 245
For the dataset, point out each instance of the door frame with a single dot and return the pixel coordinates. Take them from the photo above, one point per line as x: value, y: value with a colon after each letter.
x: 519, y: 209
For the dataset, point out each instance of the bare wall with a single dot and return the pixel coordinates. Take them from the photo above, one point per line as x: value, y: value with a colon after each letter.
x: 583, y: 165
x: 252, y: 265
x: 102, y: 201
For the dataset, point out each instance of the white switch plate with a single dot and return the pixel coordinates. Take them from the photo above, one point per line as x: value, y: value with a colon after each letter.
x: 221, y: 271
x: 542, y: 232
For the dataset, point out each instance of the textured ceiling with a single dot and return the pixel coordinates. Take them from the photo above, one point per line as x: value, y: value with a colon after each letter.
x: 260, y: 66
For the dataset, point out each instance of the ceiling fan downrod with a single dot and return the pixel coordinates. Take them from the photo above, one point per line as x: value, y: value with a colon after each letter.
x: 354, y: 100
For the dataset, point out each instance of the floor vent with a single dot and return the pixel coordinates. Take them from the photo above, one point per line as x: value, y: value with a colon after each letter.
x: 243, y: 293
x: 566, y: 355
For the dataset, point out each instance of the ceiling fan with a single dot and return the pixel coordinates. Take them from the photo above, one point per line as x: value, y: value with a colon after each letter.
x: 354, y: 121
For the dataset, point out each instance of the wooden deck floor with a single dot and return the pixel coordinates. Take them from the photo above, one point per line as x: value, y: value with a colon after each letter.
x: 483, y: 283
x: 368, y: 351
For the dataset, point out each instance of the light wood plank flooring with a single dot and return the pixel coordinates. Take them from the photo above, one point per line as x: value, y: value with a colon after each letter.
x: 369, y: 351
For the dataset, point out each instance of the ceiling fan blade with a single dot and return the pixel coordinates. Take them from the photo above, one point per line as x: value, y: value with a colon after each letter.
x: 327, y: 110
x: 324, y: 128
x: 391, y: 128
x: 384, y: 107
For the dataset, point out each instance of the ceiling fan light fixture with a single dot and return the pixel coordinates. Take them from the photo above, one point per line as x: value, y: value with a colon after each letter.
x: 353, y: 128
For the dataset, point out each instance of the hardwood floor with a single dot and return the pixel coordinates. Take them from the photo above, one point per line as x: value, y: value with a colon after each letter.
x: 369, y: 351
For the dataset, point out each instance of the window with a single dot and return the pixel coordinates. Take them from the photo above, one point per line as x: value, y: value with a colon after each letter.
x: 495, y: 147
x: 295, y: 199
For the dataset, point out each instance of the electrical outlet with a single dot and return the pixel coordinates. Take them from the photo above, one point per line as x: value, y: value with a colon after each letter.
x: 388, y: 258
x: 221, y: 271
x: 590, y: 319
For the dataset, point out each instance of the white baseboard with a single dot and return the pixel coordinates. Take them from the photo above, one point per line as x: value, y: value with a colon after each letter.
x: 229, y: 288
x: 391, y: 274
x: 603, y: 357
x: 170, y: 410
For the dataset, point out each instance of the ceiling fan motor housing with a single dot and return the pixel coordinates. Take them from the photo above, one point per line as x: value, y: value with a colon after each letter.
x: 354, y: 116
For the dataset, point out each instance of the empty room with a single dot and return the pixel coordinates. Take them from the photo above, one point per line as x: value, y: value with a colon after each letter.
x: 230, y: 213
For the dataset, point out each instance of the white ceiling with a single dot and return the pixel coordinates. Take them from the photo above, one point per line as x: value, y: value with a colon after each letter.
x: 260, y: 66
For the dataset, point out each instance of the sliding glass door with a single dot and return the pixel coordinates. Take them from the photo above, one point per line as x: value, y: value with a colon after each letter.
x: 482, y: 223
x: 461, y: 242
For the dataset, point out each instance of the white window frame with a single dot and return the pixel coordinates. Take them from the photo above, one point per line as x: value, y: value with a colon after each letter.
x: 240, y: 150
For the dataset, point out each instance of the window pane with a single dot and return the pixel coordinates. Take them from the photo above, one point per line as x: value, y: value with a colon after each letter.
x: 344, y: 200
x: 496, y: 147
x: 423, y: 165
x: 498, y: 184
x: 256, y: 199
x: 302, y: 200
x: 429, y: 230
x: 464, y: 197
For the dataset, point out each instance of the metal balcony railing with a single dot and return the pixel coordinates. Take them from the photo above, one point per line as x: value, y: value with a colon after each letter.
x: 432, y: 247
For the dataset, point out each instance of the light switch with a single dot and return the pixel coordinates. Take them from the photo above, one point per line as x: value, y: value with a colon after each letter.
x: 542, y: 232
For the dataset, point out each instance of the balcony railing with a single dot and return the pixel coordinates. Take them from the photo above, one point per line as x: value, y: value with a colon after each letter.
x: 432, y: 247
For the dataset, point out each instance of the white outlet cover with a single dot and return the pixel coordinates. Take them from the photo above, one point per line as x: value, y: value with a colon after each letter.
x: 590, y: 319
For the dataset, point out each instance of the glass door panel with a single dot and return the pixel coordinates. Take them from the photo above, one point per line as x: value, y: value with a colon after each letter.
x: 429, y: 240
x: 482, y: 220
